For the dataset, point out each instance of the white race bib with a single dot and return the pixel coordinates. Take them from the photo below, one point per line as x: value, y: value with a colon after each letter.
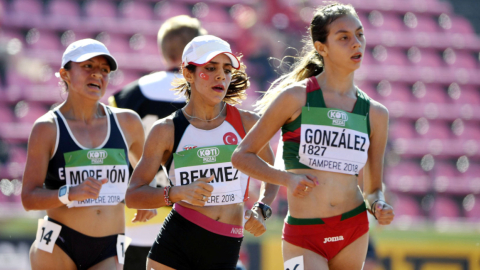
x: 122, y: 244
x: 294, y: 264
x: 98, y: 164
x: 333, y: 140
x: 203, y: 162
x: 47, y: 234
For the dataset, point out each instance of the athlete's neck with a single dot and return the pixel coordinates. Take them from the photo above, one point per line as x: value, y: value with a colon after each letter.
x: 336, y: 80
x: 204, y: 111
x: 81, y: 110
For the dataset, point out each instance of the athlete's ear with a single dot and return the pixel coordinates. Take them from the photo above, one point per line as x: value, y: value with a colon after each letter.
x: 64, y: 75
x: 320, y: 48
x: 188, y: 75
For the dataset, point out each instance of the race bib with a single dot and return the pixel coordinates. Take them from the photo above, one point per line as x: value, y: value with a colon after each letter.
x: 47, y: 234
x: 98, y: 164
x: 333, y: 140
x: 294, y: 264
x: 122, y: 244
x: 203, y: 162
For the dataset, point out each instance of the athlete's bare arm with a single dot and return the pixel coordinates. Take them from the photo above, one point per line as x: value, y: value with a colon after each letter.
x: 158, y: 148
x: 373, y: 170
x: 268, y: 191
x: 285, y: 108
x: 256, y: 222
x: 158, y: 145
x: 41, y: 145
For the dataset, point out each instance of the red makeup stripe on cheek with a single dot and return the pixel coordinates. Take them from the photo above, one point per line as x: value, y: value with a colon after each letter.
x: 203, y: 76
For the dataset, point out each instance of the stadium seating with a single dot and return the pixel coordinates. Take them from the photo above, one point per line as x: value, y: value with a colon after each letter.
x: 63, y: 9
x: 444, y: 208
x: 406, y: 205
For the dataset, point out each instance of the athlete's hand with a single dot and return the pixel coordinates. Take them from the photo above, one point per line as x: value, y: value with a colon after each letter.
x: 89, y: 189
x: 302, y: 184
x: 144, y: 215
x: 255, y: 222
x: 383, y: 212
x: 196, y: 193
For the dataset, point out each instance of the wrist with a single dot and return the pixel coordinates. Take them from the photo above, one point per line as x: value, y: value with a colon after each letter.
x: 265, y: 209
x: 258, y: 211
x: 174, y: 195
x: 166, y: 195
x: 373, y: 206
x: 63, y: 194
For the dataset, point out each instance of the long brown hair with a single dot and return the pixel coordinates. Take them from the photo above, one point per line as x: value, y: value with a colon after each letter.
x: 236, y: 91
x: 310, y: 62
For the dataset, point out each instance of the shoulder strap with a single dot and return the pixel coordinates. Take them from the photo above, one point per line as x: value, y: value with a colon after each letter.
x: 180, y: 124
x: 66, y: 139
x: 363, y: 106
x: 314, y: 94
x: 234, y: 118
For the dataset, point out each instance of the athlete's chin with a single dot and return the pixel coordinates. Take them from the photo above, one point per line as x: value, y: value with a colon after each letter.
x: 218, y: 98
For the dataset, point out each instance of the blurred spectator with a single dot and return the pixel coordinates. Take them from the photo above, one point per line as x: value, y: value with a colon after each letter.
x: 4, y: 59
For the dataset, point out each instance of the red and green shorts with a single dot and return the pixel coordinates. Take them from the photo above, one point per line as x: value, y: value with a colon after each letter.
x: 326, y: 236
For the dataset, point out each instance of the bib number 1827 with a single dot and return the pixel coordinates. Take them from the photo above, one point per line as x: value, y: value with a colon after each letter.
x: 314, y: 150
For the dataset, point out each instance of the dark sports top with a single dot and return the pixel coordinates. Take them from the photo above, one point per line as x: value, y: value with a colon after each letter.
x: 151, y: 95
x: 66, y: 143
x: 291, y: 132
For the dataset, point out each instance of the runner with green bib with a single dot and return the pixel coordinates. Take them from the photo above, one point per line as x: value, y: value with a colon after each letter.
x: 331, y: 132
x: 205, y: 228
x: 77, y: 168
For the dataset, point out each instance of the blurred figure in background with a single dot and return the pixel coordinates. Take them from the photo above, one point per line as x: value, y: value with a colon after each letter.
x: 4, y: 59
x: 151, y: 97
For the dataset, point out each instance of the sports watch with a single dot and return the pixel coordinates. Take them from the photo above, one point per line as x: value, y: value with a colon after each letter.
x: 266, y: 210
x: 63, y: 194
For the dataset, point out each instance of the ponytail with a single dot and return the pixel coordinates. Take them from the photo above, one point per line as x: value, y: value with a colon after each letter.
x: 306, y: 66
x: 310, y: 62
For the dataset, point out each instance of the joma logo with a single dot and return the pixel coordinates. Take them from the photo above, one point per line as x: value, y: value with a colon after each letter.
x: 333, y: 239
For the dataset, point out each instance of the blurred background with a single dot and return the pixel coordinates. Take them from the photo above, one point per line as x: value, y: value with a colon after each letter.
x: 421, y: 61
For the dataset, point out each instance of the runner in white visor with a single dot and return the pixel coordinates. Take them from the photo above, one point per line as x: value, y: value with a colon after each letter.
x: 195, y: 145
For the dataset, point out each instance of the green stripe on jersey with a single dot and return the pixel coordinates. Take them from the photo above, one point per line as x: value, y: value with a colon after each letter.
x: 90, y: 157
x: 204, y: 155
x: 334, y: 118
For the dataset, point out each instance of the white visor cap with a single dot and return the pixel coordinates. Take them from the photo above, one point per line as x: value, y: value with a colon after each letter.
x: 203, y: 49
x: 85, y: 49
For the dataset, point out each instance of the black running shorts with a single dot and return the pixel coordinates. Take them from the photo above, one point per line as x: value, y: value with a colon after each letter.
x: 183, y: 245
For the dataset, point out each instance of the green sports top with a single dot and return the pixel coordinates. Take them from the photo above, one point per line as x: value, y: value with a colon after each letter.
x: 327, y: 139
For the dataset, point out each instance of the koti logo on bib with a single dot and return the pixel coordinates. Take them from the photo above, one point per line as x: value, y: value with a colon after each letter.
x: 339, y: 118
x: 208, y: 154
x: 97, y: 156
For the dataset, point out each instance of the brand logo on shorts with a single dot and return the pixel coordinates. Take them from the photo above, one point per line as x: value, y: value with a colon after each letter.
x: 333, y: 239
x: 238, y: 231
x: 208, y: 154
x: 339, y: 118
x: 97, y: 156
